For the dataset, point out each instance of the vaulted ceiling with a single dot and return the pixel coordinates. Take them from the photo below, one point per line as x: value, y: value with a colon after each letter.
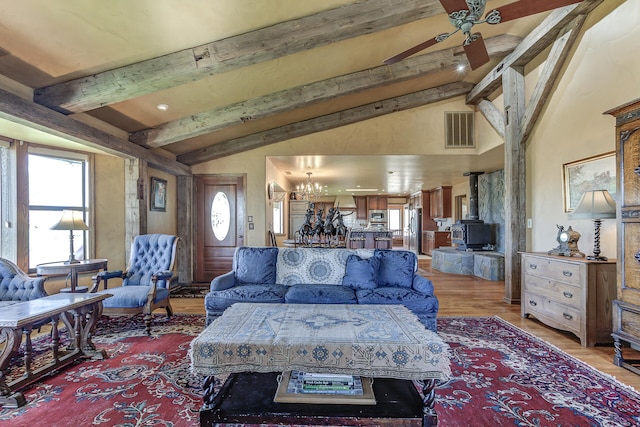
x: 235, y: 74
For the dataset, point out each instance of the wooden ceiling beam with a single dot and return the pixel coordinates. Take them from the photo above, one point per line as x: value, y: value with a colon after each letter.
x: 538, y: 40
x: 120, y: 84
x: 19, y: 110
x: 549, y: 75
x: 329, y: 121
x: 302, y: 96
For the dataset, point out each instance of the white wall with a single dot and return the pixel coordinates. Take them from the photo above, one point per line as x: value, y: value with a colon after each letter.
x: 602, y: 74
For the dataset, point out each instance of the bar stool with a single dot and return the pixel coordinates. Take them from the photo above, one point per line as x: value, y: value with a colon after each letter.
x: 380, y: 239
x: 358, y: 240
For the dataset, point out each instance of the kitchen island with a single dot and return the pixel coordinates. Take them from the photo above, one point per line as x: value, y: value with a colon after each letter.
x: 370, y: 238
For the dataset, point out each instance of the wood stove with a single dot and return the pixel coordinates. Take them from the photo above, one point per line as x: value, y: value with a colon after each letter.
x: 471, y: 234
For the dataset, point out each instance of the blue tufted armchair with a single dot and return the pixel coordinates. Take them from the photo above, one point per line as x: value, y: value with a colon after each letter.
x: 145, y: 283
x: 16, y: 286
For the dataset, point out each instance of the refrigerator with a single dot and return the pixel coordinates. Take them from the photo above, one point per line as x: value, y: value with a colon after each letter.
x: 413, y: 230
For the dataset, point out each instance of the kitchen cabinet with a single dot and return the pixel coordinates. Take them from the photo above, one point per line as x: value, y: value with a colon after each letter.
x: 297, y: 212
x: 416, y: 200
x: 435, y: 239
x: 440, y: 202
x: 377, y: 203
x: 626, y: 306
x: 570, y: 293
x: 361, y: 208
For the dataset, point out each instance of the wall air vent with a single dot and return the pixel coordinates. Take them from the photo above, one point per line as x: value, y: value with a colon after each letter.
x: 459, y: 130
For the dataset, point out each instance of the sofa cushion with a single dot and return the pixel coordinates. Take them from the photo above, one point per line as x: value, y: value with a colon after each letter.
x: 415, y: 301
x: 320, y: 294
x: 321, y: 266
x: 217, y: 301
x: 255, y: 265
x: 396, y: 268
x: 361, y: 273
x: 131, y: 296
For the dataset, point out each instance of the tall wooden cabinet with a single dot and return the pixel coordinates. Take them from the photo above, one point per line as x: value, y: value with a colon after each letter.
x: 626, y: 314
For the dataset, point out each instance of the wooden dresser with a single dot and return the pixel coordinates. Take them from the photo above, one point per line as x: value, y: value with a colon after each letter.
x: 626, y: 309
x: 570, y: 293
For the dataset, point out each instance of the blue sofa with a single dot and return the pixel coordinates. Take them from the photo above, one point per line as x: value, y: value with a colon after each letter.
x: 324, y: 276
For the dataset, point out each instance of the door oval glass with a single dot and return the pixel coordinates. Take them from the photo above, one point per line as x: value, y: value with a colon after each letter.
x: 220, y: 216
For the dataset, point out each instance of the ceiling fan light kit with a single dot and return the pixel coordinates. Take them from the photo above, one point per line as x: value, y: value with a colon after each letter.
x: 464, y: 14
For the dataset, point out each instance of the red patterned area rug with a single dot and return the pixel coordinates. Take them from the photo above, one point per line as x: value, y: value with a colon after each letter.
x: 503, y: 376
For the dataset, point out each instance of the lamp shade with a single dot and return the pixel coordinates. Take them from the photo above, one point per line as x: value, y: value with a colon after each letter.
x: 595, y: 204
x: 71, y: 220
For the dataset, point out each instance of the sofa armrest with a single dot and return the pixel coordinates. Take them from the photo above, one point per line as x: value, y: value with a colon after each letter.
x: 422, y: 284
x: 225, y: 281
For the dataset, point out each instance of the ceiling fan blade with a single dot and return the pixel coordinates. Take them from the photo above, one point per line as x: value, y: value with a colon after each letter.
x: 476, y: 51
x: 409, y: 52
x: 454, y: 5
x: 522, y: 8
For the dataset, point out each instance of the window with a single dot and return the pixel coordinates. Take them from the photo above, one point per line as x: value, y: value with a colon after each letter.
x: 278, y: 217
x: 395, y: 218
x: 56, y: 183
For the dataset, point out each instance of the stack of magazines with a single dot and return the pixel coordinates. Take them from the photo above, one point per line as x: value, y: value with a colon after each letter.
x: 318, y: 383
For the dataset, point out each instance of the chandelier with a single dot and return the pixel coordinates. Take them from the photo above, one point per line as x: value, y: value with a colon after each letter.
x: 309, y: 190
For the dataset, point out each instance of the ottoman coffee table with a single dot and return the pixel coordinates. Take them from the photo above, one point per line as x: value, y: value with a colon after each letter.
x: 254, y: 343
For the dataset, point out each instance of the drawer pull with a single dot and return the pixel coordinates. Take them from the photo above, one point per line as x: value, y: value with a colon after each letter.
x: 532, y: 302
x: 533, y: 266
x: 567, y: 273
x: 637, y: 256
x: 567, y: 294
x: 567, y: 316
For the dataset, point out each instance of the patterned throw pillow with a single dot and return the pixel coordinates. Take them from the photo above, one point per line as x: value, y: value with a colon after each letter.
x: 361, y: 273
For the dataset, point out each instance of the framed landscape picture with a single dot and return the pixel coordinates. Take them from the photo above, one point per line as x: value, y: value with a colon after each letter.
x: 593, y: 173
x: 158, y: 200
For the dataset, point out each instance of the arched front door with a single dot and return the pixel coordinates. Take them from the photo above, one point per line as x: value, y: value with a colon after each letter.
x: 220, y: 212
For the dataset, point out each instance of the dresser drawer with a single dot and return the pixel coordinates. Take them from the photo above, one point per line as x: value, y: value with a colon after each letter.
x: 561, y: 293
x: 557, y: 315
x: 560, y: 271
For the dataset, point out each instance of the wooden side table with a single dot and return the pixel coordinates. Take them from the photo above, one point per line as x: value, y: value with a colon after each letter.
x: 72, y: 270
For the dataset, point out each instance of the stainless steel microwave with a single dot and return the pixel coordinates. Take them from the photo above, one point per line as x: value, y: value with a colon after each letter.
x: 377, y: 216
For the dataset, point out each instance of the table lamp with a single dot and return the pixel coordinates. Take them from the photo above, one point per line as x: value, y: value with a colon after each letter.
x: 596, y: 205
x: 71, y: 220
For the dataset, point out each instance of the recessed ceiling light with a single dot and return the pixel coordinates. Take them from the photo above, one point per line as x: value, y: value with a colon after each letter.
x: 361, y: 189
x: 461, y: 68
x: 162, y: 107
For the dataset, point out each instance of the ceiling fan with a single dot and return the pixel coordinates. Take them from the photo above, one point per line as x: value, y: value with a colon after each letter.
x: 464, y: 14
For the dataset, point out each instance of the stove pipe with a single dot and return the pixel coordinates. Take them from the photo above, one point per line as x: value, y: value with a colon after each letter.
x: 473, y: 194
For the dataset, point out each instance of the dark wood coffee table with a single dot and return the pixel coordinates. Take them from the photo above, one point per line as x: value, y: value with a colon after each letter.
x: 256, y: 342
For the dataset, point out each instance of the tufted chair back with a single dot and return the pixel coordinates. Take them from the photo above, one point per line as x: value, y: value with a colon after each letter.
x: 16, y: 286
x: 150, y: 254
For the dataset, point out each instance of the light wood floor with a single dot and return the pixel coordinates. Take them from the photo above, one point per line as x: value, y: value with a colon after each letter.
x: 470, y: 296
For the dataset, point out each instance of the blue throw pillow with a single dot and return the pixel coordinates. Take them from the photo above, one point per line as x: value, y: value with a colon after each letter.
x: 256, y: 265
x: 396, y: 268
x: 361, y: 273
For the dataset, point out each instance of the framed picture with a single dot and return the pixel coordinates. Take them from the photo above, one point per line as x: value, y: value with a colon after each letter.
x: 158, y: 200
x: 593, y: 173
